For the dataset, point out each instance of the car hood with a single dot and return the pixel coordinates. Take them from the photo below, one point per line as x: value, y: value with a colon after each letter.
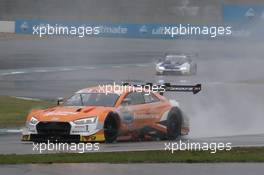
x: 70, y: 113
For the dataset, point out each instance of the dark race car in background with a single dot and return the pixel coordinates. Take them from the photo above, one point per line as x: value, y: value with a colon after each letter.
x: 177, y: 63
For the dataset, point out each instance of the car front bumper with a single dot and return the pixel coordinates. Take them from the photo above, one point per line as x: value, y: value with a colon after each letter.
x: 175, y: 71
x: 98, y: 137
x: 63, y: 132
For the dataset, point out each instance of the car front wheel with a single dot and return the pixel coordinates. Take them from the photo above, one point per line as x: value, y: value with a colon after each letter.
x: 110, y: 129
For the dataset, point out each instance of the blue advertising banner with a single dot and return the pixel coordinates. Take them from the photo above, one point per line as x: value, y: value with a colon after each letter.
x: 247, y: 20
x: 242, y: 13
x: 159, y: 31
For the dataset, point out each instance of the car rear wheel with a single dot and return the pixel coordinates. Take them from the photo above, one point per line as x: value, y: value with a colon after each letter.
x: 174, y: 122
x: 110, y: 129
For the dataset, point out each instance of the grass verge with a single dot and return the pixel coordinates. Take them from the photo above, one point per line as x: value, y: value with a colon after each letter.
x: 13, y: 111
x: 251, y: 154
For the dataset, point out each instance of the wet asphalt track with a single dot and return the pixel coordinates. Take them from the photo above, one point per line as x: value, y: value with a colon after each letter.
x: 231, y: 73
x: 135, y: 169
x: 11, y: 144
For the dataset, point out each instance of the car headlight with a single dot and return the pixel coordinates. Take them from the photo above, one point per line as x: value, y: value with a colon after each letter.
x: 33, y: 121
x: 84, y: 121
x: 183, y: 68
x: 161, y: 68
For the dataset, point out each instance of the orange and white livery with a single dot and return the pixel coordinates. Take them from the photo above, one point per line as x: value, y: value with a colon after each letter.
x: 91, y: 115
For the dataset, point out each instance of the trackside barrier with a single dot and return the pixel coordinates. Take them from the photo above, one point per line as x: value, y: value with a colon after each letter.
x: 247, y: 20
x: 7, y: 26
x: 159, y: 31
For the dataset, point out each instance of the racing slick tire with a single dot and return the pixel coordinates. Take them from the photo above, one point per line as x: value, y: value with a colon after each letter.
x: 174, y: 123
x: 159, y: 73
x: 111, y: 128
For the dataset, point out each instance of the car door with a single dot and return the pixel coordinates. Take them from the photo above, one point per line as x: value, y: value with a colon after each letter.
x: 135, y: 114
x: 155, y: 106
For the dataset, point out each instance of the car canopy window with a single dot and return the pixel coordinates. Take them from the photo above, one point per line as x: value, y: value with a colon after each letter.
x: 92, y: 99
x: 136, y: 98
x: 150, y: 98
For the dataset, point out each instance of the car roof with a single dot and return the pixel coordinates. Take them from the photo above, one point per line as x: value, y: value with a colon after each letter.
x: 113, y: 89
x: 180, y: 54
x: 176, y: 56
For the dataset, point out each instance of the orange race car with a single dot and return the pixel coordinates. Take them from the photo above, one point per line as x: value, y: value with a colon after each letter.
x: 110, y: 113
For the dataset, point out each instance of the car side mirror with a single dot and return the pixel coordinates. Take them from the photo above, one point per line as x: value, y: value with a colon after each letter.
x: 126, y: 101
x: 60, y: 101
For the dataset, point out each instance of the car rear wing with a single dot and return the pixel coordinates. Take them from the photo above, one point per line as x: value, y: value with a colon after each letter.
x: 167, y: 87
x: 183, y: 88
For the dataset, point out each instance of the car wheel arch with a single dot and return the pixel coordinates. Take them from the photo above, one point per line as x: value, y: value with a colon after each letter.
x: 113, y: 119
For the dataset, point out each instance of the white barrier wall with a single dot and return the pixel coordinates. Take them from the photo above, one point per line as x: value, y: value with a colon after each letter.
x: 7, y: 26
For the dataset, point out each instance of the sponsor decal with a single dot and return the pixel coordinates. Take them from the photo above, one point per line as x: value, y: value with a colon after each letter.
x: 128, y: 117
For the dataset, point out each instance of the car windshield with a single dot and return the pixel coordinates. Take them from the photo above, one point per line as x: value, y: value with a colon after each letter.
x: 175, y: 59
x: 92, y: 99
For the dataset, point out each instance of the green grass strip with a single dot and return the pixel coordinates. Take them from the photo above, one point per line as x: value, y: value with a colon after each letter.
x: 13, y: 111
x: 251, y: 154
